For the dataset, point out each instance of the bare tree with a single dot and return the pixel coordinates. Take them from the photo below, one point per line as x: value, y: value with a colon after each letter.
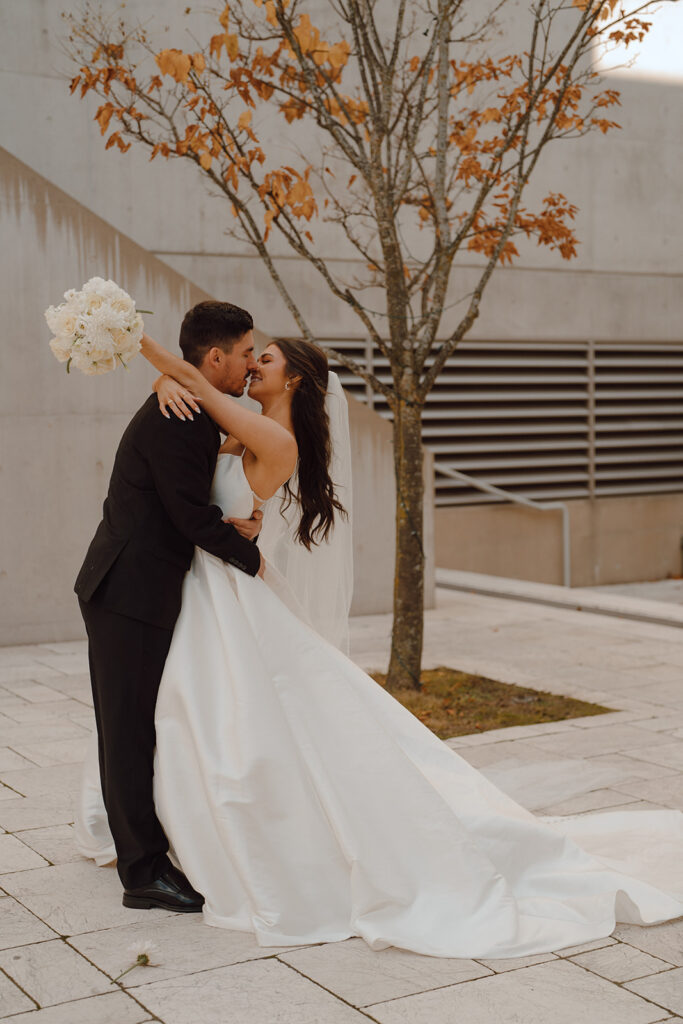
x: 412, y: 125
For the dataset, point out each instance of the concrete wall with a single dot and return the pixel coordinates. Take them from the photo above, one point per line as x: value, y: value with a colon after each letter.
x: 58, y: 433
x: 624, y: 284
x: 613, y: 540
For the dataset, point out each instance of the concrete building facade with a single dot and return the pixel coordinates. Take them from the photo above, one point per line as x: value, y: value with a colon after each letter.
x: 623, y: 292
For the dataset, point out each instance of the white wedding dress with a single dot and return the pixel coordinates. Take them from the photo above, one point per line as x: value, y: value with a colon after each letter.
x: 307, y: 805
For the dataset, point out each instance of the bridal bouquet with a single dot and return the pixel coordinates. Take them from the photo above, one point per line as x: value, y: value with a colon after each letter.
x: 95, y: 327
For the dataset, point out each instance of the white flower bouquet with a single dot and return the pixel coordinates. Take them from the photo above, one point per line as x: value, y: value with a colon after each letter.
x: 95, y: 328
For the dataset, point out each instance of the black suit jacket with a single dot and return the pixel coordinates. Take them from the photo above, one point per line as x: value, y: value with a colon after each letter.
x: 156, y: 512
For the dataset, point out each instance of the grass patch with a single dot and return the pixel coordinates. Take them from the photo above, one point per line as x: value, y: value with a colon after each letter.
x: 453, y: 703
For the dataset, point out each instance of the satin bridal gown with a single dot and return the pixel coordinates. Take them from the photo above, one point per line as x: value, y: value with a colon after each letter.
x: 307, y: 805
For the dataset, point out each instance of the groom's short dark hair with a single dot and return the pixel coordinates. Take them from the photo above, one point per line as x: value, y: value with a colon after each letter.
x: 210, y: 324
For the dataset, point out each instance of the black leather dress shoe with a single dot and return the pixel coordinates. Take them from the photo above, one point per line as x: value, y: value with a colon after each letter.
x: 171, y: 891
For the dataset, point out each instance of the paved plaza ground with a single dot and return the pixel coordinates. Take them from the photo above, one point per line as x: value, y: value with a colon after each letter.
x: 64, y: 934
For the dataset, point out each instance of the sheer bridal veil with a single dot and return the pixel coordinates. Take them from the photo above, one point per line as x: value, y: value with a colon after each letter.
x: 322, y: 578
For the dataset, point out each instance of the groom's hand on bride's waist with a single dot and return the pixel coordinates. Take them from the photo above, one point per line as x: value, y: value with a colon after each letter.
x: 249, y: 528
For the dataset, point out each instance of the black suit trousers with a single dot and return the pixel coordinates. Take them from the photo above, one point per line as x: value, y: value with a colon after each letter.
x: 126, y: 664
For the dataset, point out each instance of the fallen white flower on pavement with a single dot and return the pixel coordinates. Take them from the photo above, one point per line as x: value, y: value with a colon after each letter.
x: 144, y: 952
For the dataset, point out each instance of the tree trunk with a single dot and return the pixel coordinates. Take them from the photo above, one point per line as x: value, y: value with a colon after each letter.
x: 406, y: 641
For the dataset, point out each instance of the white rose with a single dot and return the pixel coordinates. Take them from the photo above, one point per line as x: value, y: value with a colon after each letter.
x: 95, y: 286
x: 101, y: 353
x: 138, y: 328
x: 108, y: 290
x: 122, y: 342
x: 102, y: 366
x: 123, y: 305
x: 61, y: 319
x: 127, y: 341
x: 94, y: 362
x: 61, y: 348
x: 127, y: 354
x: 81, y: 360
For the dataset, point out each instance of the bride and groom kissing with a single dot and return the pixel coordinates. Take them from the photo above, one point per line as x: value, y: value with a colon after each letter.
x: 303, y: 803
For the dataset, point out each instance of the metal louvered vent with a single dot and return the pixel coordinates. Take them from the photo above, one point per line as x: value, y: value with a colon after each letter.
x: 549, y: 421
x: 638, y: 419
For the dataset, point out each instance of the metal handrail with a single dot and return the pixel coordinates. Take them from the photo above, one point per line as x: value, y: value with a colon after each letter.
x: 542, y: 506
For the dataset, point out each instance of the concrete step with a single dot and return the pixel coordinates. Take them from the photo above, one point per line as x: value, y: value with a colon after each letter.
x: 580, y: 599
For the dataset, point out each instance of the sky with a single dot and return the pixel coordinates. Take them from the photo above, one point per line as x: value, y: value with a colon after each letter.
x: 660, y: 56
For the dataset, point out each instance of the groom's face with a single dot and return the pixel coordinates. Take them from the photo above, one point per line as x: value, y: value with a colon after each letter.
x: 230, y: 371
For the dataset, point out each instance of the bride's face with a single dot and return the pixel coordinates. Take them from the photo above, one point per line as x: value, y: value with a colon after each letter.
x: 270, y: 376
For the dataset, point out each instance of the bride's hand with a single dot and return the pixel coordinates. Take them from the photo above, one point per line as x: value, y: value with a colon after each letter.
x: 174, y: 396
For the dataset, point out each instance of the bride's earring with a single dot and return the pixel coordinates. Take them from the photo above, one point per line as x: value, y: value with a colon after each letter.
x: 287, y: 386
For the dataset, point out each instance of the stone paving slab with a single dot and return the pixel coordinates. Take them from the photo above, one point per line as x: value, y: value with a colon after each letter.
x: 621, y: 963
x: 515, y: 963
x: 360, y: 976
x: 15, y: 856
x: 259, y: 992
x: 557, y: 991
x: 17, y: 814
x: 51, y: 972
x: 64, y: 935
x: 12, y: 999
x: 665, y: 989
x: 668, y: 792
x: 19, y: 927
x: 584, y: 947
x: 116, y: 1008
x: 662, y: 940
x: 54, y: 843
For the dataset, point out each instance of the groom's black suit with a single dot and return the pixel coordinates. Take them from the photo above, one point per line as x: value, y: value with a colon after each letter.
x: 129, y: 588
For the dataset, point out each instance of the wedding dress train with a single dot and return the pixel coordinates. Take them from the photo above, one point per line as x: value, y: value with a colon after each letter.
x: 307, y: 805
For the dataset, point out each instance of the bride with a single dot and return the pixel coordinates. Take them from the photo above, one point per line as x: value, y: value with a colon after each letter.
x: 308, y: 805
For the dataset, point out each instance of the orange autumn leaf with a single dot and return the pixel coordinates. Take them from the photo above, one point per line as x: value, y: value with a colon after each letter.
x: 306, y: 34
x: 339, y: 54
x: 116, y: 140
x: 232, y: 46
x: 174, y: 63
x: 228, y: 40
x: 293, y: 110
x: 103, y: 116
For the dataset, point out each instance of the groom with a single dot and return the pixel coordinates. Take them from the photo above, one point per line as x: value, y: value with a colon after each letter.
x: 129, y: 589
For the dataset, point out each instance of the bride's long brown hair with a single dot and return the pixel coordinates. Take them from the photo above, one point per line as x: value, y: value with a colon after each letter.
x: 316, y: 496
